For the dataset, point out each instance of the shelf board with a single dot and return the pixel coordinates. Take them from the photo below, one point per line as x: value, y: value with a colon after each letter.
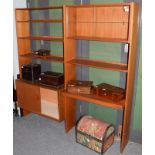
x: 99, y: 39
x: 47, y: 38
x: 42, y: 20
x: 48, y: 58
x: 48, y: 20
x: 92, y: 98
x: 100, y: 64
x: 61, y: 87
x: 41, y: 8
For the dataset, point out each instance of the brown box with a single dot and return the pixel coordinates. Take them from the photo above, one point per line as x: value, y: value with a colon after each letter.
x: 80, y: 87
x: 95, y: 134
x: 52, y: 78
x: 111, y: 92
x: 42, y: 52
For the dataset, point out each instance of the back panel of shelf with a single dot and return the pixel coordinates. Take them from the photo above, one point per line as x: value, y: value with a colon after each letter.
x: 89, y: 23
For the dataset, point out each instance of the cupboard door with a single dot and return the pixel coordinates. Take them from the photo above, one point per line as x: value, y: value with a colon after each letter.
x: 28, y: 96
x: 49, y: 102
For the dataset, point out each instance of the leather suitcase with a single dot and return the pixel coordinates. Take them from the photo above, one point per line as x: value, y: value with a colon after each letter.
x: 52, y: 78
x: 80, y: 87
x: 111, y: 92
x: 95, y: 134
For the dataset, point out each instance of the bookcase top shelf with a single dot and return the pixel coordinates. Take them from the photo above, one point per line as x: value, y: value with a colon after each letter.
x: 41, y: 8
x: 48, y: 58
x: 100, y: 64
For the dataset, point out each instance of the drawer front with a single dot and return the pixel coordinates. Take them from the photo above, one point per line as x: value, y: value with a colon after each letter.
x: 28, y: 96
x: 49, y: 103
x: 112, y: 14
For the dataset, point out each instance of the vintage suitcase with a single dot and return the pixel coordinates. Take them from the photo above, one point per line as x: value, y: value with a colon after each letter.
x: 80, y: 87
x: 52, y: 78
x: 94, y: 134
x: 111, y: 92
x: 41, y: 52
x: 31, y: 71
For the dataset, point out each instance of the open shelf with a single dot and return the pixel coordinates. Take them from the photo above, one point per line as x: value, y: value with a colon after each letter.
x: 47, y: 38
x: 42, y: 20
x: 99, y: 39
x: 47, y: 20
x: 92, y: 98
x: 48, y: 58
x: 41, y: 8
x: 100, y: 64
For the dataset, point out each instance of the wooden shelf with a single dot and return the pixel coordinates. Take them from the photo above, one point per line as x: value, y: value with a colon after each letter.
x: 49, y: 58
x: 92, y: 98
x: 48, y: 20
x: 99, y: 39
x: 42, y: 20
x: 41, y: 8
x: 100, y: 64
x: 47, y: 38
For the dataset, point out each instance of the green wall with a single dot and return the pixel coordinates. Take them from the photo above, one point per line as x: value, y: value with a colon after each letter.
x: 56, y: 29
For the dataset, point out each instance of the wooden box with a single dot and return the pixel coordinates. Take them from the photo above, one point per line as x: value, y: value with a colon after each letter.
x: 31, y: 71
x: 111, y: 92
x: 42, y: 52
x: 80, y: 87
x: 52, y: 78
x: 94, y: 134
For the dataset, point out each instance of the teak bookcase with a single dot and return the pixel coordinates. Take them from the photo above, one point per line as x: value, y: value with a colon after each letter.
x: 34, y: 97
x: 109, y: 23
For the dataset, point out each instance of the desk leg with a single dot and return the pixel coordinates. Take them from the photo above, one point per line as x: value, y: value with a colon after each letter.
x: 70, y: 113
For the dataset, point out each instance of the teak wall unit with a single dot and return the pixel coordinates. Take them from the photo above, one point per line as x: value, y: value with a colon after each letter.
x: 34, y: 97
x: 108, y: 22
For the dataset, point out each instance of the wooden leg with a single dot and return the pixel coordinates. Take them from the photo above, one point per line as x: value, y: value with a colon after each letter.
x: 70, y: 113
x: 26, y: 112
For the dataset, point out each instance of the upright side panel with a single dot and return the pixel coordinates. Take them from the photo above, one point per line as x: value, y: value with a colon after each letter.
x: 69, y: 43
x: 70, y: 113
x: 133, y: 38
x: 69, y: 70
x: 23, y: 30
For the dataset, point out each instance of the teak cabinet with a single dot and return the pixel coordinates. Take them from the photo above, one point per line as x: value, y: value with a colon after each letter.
x: 106, y: 22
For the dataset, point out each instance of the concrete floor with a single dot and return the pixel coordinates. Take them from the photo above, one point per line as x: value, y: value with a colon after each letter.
x: 36, y: 135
